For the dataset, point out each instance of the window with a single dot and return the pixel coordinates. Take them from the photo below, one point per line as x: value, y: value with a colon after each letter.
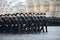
x: 57, y: 7
x: 47, y: 6
x: 31, y: 7
x: 38, y: 7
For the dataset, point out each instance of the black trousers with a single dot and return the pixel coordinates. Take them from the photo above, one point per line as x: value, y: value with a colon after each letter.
x: 44, y: 25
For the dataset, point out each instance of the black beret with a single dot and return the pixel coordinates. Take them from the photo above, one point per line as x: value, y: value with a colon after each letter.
x: 29, y: 13
x: 33, y: 13
x: 41, y: 13
x: 21, y: 13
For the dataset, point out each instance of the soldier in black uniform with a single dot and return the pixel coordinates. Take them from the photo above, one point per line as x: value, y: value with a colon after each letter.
x: 45, y: 21
x: 35, y: 22
x: 26, y: 20
x: 12, y: 18
x: 32, y: 23
x: 6, y: 24
x: 11, y: 23
x: 14, y: 23
x: 29, y: 23
x: 38, y: 22
x: 19, y: 23
x: 1, y: 22
x: 23, y: 23
x: 42, y: 23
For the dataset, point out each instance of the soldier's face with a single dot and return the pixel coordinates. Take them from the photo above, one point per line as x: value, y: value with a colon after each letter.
x: 25, y: 14
x: 18, y: 15
x: 13, y: 15
x: 10, y: 16
x: 34, y: 14
x: 44, y: 15
x: 30, y: 15
x: 37, y: 15
x: 22, y: 15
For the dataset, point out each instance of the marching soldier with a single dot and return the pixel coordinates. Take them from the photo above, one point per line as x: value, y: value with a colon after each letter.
x: 26, y: 20
x: 35, y: 22
x: 19, y: 23
x: 14, y: 23
x: 10, y: 24
x: 6, y: 24
x: 1, y: 22
x: 39, y: 22
x: 45, y: 21
x: 23, y: 23
x: 30, y: 22
x: 42, y: 23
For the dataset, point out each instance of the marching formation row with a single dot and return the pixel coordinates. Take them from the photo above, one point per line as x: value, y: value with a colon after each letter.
x: 23, y: 23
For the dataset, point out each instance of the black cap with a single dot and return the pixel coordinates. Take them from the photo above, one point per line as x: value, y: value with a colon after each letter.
x: 21, y: 13
x: 41, y: 13
x: 37, y: 13
x: 29, y: 13
x: 44, y: 13
x: 5, y: 14
x: 33, y: 13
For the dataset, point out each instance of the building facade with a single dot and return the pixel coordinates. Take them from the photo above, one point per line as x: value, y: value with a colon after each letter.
x: 50, y: 7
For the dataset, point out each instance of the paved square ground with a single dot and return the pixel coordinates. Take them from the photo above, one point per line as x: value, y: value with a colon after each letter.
x: 53, y: 34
